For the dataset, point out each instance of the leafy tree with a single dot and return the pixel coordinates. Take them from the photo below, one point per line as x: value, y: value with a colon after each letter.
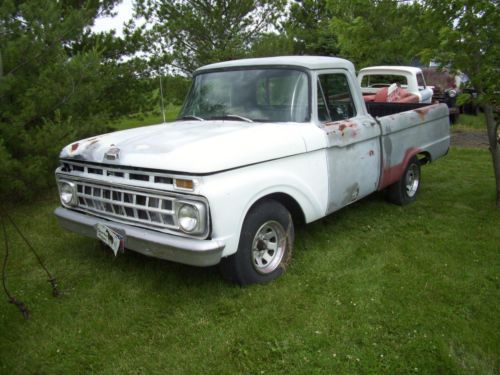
x: 469, y: 40
x: 186, y: 34
x: 308, y: 27
x: 272, y: 44
x: 57, y: 83
x: 379, y: 32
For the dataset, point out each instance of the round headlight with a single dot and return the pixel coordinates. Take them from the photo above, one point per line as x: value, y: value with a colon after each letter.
x: 189, y: 217
x: 452, y: 93
x: 67, y: 192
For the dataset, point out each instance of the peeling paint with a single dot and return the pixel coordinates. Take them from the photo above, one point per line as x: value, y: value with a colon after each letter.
x: 341, y: 127
x: 424, y: 111
x: 351, y: 194
x: 391, y: 174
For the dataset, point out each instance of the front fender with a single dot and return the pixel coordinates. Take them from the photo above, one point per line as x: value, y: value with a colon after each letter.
x: 231, y: 194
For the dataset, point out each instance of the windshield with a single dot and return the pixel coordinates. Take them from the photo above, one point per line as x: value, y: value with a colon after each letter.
x: 278, y: 95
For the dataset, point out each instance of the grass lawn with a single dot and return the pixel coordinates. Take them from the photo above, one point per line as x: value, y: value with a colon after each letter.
x: 471, y: 123
x: 374, y: 288
x: 150, y: 118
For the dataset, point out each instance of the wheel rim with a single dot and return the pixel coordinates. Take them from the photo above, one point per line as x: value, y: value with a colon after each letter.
x: 412, y: 179
x: 268, y: 247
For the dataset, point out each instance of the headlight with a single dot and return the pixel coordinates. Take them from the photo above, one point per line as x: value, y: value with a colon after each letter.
x: 67, y: 192
x: 191, y: 217
x: 452, y: 93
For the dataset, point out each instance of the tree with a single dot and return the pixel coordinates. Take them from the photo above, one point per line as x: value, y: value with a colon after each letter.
x: 469, y: 40
x: 186, y: 34
x: 383, y: 32
x: 308, y: 27
x: 58, y: 82
x: 271, y: 44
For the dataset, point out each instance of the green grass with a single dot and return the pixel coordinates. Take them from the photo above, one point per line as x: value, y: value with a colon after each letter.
x: 143, y: 119
x: 374, y: 288
x: 470, y: 123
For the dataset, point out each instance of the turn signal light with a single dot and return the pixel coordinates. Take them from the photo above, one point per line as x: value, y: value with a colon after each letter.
x: 184, y: 184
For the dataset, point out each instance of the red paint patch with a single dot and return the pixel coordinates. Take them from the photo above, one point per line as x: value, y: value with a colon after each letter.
x: 422, y: 112
x: 341, y: 126
x: 74, y: 146
x: 391, y: 174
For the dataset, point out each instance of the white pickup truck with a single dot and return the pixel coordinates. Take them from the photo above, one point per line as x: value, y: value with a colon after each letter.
x: 375, y: 81
x: 260, y: 146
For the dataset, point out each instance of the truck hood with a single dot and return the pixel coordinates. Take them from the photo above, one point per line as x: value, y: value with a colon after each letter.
x: 197, y: 147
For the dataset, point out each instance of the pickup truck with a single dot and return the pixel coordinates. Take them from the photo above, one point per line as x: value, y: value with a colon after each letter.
x: 376, y: 80
x: 260, y: 146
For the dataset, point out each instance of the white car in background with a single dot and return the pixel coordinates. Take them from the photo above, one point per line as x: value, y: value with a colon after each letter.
x: 376, y: 80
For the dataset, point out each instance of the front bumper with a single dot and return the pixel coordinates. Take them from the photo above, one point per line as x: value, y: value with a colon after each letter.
x: 148, y: 242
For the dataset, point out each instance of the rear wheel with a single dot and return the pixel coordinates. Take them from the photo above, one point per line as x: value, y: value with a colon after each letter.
x: 405, y: 190
x: 265, y: 247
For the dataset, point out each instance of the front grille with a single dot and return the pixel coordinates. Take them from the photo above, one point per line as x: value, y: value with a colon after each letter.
x: 134, y: 206
x: 128, y: 174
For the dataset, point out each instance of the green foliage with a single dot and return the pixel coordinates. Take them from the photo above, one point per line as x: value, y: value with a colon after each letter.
x: 308, y: 28
x: 469, y: 36
x: 175, y: 89
x: 272, y: 45
x: 198, y: 32
x: 386, y: 32
x: 58, y: 82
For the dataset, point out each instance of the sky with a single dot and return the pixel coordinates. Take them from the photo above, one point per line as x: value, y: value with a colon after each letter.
x: 124, y: 13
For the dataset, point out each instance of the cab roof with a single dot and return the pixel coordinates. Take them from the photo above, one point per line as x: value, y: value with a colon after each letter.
x: 384, y: 69
x: 307, y: 62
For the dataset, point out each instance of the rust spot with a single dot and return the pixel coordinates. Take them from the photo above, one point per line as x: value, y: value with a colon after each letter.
x: 341, y: 126
x: 93, y: 142
x: 422, y: 112
x: 74, y: 146
x: 371, y: 153
x: 391, y: 174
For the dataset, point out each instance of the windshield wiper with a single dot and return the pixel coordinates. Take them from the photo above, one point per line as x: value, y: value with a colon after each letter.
x: 192, y: 117
x: 229, y: 116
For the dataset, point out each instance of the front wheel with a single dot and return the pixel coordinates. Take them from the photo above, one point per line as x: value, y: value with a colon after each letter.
x: 265, y: 247
x: 405, y: 190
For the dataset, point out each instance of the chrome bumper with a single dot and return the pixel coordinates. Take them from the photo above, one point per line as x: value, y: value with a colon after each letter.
x: 148, y: 242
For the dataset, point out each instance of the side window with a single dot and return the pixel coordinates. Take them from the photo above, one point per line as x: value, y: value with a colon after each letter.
x: 334, y: 98
x: 420, y: 81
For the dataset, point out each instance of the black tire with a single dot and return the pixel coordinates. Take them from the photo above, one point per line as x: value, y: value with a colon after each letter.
x: 405, y: 190
x: 267, y: 225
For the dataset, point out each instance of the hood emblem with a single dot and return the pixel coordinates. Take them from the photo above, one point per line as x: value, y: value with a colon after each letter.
x: 112, y: 154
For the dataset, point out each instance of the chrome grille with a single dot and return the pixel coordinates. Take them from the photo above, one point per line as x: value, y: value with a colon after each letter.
x: 129, y: 205
x: 128, y: 175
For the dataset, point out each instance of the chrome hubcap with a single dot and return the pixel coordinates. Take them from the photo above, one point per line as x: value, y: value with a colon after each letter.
x: 412, y: 180
x: 268, y: 247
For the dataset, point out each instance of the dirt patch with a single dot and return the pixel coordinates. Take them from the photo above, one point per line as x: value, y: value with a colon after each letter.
x: 471, y: 139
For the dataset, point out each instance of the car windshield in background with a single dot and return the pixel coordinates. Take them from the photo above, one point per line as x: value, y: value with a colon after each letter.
x: 383, y: 80
x: 261, y: 95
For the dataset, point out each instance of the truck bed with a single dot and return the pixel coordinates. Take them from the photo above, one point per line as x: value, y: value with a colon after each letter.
x: 380, y: 109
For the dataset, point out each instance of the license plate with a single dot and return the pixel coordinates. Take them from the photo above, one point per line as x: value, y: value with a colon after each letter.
x: 110, y: 238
